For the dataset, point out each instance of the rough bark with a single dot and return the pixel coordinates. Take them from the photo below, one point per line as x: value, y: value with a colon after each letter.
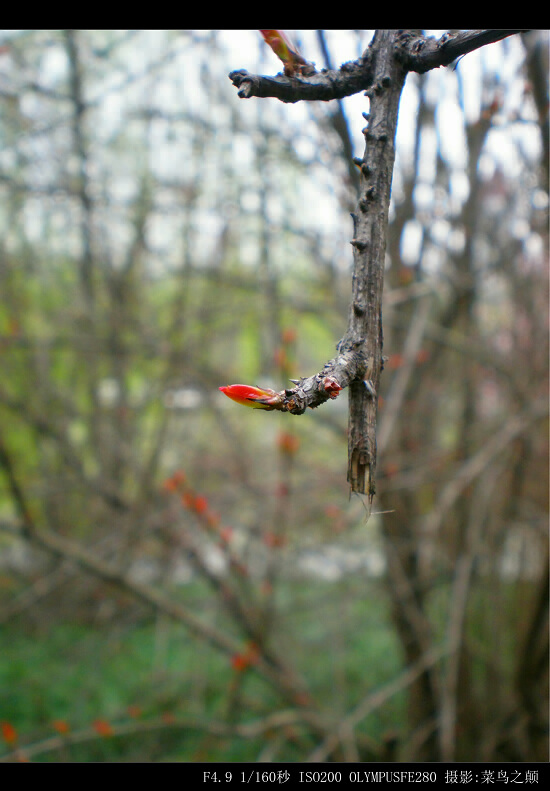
x: 364, y: 332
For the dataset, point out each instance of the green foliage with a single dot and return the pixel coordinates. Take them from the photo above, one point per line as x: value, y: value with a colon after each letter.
x: 81, y: 674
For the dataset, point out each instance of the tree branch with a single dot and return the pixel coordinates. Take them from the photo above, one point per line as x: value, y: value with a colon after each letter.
x: 359, y: 361
x: 421, y: 53
x: 375, y: 700
x: 323, y: 86
x: 381, y: 73
x: 416, y: 53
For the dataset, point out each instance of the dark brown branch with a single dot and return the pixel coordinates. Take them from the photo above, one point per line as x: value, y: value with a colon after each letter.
x: 314, y: 390
x: 416, y: 53
x: 420, y: 54
x: 359, y: 362
x: 323, y: 86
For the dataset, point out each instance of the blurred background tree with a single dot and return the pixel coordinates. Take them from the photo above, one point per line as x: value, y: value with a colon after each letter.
x: 184, y: 580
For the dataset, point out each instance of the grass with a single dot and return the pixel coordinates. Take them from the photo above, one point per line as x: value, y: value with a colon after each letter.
x: 148, y: 682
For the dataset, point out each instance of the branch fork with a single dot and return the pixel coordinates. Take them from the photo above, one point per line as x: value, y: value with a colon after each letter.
x: 380, y: 72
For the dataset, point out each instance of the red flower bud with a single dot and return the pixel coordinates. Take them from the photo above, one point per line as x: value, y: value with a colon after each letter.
x: 332, y: 387
x: 255, y: 397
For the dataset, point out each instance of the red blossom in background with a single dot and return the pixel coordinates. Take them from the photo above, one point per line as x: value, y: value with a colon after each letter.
x: 397, y: 360
x: 239, y: 662
x: 280, y: 357
x: 226, y: 534
x: 394, y: 361
x: 244, y: 660
x: 194, y: 502
x: 200, y: 506
x: 289, y: 336
x: 283, y: 356
x: 175, y: 482
x: 9, y: 734
x: 288, y: 443
x: 187, y: 499
x: 212, y: 520
x: 423, y: 355
x: 273, y: 540
x: 103, y: 727
x: 61, y: 726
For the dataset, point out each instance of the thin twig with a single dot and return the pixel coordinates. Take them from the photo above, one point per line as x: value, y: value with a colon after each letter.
x: 476, y: 464
x: 375, y: 701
